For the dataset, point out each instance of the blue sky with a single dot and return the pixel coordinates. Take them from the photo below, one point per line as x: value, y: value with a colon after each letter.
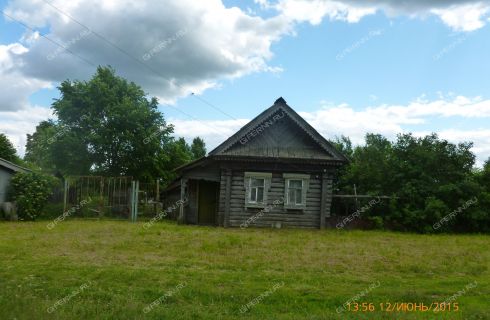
x: 395, y: 69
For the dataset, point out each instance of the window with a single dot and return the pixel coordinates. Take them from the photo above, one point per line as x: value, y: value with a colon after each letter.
x: 257, y: 190
x: 295, y: 189
x: 295, y: 192
x: 257, y: 185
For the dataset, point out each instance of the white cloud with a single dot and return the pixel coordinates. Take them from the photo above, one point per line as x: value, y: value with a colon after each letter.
x: 213, y: 132
x: 15, y: 87
x: 389, y: 120
x: 314, y: 11
x: 463, y: 15
x: 16, y: 124
x: 218, y: 42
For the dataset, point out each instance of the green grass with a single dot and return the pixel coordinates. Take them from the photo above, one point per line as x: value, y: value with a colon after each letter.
x: 127, y: 267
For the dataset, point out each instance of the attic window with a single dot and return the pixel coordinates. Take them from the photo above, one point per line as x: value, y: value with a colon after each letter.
x: 257, y: 185
x: 295, y: 190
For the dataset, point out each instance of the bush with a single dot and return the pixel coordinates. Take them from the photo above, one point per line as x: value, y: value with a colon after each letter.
x: 30, y: 191
x: 377, y: 222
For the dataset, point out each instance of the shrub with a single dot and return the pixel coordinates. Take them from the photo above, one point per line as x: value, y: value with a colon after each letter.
x: 377, y: 222
x: 30, y: 191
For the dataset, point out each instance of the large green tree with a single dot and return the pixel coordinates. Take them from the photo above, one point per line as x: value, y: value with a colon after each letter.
x: 106, y: 126
x: 432, y: 177
x: 38, y: 151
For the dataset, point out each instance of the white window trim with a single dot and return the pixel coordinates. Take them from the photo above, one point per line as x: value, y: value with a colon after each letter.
x: 257, y: 187
x: 247, y: 182
x: 305, y: 178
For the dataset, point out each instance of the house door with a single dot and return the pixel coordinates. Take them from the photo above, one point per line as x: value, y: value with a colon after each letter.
x: 207, y: 208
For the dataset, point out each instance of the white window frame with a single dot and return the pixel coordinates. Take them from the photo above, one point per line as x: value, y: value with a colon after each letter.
x: 305, y: 183
x: 255, y: 189
x: 248, y: 188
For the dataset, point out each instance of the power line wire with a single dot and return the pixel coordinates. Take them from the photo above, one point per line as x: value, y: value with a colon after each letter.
x: 93, y: 65
x: 134, y: 58
x: 49, y: 39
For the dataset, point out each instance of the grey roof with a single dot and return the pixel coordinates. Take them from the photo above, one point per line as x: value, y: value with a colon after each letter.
x: 280, y: 105
x: 12, y: 166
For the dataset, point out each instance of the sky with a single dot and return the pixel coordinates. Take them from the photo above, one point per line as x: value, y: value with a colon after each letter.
x: 348, y: 67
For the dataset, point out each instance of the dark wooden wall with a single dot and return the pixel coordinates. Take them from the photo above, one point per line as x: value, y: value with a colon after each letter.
x: 237, y: 214
x: 231, y: 210
x: 192, y: 202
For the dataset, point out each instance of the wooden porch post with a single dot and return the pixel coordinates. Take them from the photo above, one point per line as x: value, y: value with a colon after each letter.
x: 183, y: 184
x: 226, y: 220
x: 326, y: 201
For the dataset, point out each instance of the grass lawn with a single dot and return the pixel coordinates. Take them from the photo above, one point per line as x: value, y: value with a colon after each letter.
x: 116, y: 269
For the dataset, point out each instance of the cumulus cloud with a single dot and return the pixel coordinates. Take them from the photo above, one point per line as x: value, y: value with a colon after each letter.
x: 389, y: 120
x: 314, y: 11
x: 16, y: 124
x: 213, y: 132
x: 460, y: 15
x: 190, y: 45
x: 467, y: 17
x: 15, y: 87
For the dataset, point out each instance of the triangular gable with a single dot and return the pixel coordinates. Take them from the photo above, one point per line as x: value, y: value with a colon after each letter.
x: 255, y: 132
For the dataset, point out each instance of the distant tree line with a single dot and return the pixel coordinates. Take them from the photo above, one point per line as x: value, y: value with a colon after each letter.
x: 433, y: 184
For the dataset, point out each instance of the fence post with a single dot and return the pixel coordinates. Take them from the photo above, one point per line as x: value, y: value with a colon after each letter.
x: 101, y: 197
x: 131, y: 200
x: 157, y: 196
x: 134, y: 199
x: 65, y: 196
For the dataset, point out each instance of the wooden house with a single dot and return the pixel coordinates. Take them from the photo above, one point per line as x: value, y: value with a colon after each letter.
x: 276, y: 171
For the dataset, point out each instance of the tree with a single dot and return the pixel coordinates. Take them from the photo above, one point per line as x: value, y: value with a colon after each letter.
x: 370, y: 168
x: 485, y: 175
x: 428, y: 178
x: 105, y: 126
x: 38, y: 151
x: 344, y: 145
x: 198, y: 148
x: 175, y: 154
x: 433, y: 178
x: 7, y: 150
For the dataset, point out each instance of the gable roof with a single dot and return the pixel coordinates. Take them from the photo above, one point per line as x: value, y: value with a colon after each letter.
x: 12, y: 166
x: 280, y: 105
